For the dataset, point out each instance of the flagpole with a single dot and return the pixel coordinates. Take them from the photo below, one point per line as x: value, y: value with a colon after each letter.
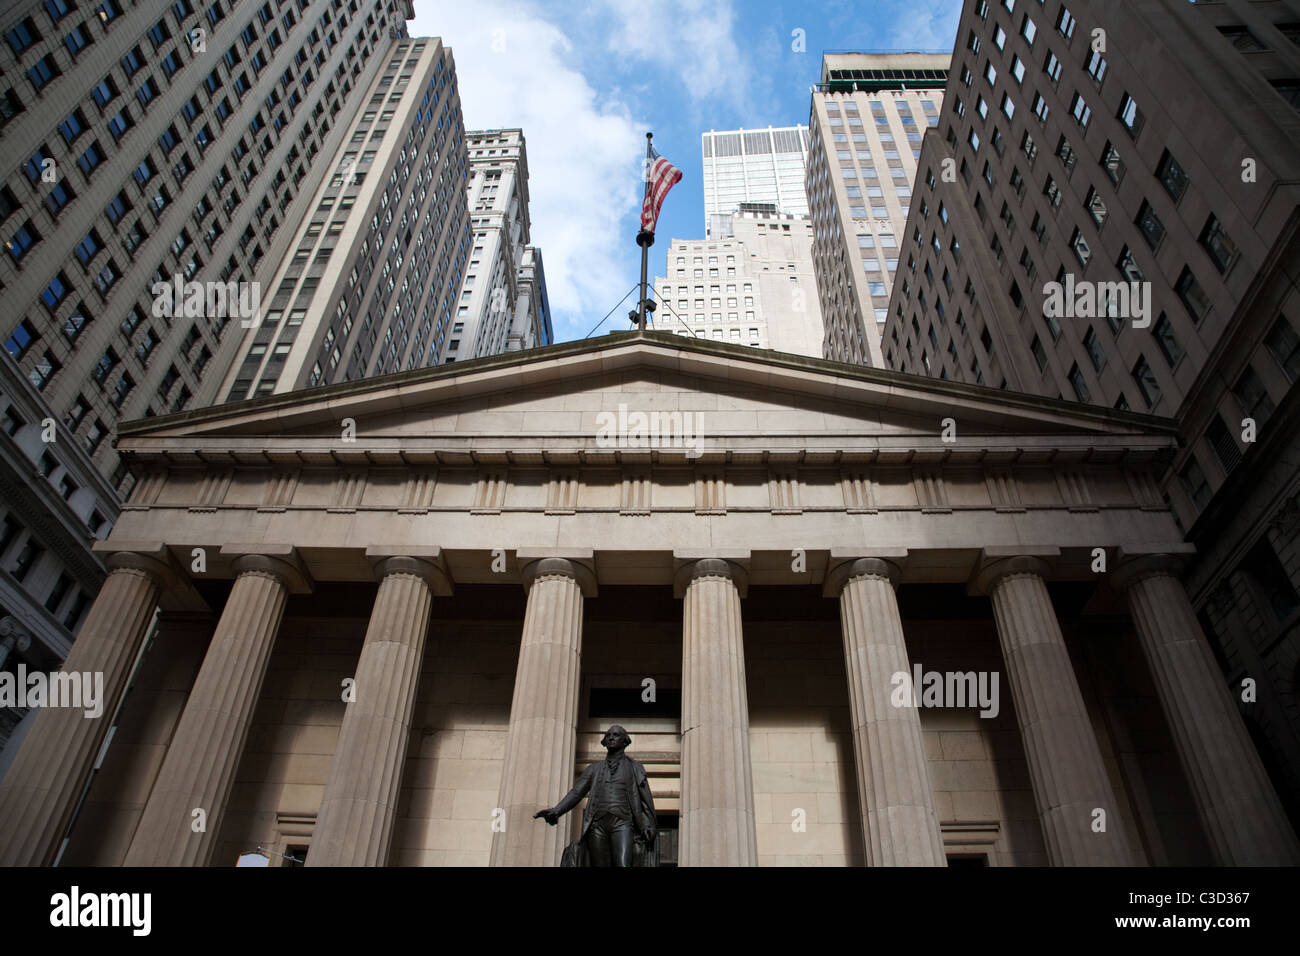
x: 644, y: 239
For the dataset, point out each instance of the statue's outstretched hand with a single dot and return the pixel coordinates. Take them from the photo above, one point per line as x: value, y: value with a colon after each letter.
x: 549, y: 815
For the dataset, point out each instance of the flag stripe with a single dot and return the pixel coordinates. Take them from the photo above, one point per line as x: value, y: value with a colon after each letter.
x: 662, y: 176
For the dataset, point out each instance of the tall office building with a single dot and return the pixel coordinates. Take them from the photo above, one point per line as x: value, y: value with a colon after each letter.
x: 750, y: 282
x: 859, y: 185
x: 532, y: 327
x: 151, y: 141
x: 370, y: 284
x: 145, y: 143
x: 488, y: 314
x: 1110, y: 212
x: 754, y: 166
x: 54, y: 504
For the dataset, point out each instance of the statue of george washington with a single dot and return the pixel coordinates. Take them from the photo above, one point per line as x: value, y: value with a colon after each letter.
x: 618, y: 824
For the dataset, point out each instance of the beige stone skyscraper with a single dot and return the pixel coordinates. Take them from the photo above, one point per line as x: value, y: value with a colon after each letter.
x: 868, y: 115
x: 500, y: 304
x: 1109, y: 212
x: 371, y: 281
x: 144, y: 143
x: 750, y: 282
x: 150, y: 141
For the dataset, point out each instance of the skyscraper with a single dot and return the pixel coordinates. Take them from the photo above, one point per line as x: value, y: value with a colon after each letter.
x: 490, y: 298
x: 1109, y: 212
x: 532, y: 326
x: 859, y: 185
x: 371, y: 282
x: 754, y: 166
x: 153, y: 141
x: 750, y: 282
x: 147, y: 145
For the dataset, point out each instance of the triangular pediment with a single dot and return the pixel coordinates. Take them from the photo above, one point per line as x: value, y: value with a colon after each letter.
x: 632, y: 393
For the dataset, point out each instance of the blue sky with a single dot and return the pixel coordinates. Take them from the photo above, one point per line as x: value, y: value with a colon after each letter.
x: 586, y: 80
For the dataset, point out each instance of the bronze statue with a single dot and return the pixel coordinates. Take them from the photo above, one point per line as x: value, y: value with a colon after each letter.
x: 618, y: 824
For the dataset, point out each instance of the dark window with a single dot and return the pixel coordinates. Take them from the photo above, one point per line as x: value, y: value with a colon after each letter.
x: 1241, y: 39
x: 1172, y: 176
x: 1195, y: 484
x: 1192, y: 295
x: 1268, y: 574
x: 1225, y: 447
x: 1215, y: 240
x: 1284, y: 345
x: 1165, y: 339
x: 1146, y: 381
x: 22, y: 36
x: 1253, y: 397
x: 1149, y: 224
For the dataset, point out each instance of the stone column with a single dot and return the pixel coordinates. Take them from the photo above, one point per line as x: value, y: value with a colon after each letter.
x: 543, y: 733
x: 717, y: 809
x: 199, y: 769
x: 1065, y: 765
x: 354, y: 826
x: 900, y: 825
x: 1242, y: 815
x: 40, y: 792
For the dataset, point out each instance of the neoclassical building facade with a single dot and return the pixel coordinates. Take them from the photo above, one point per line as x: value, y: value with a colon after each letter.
x: 394, y: 616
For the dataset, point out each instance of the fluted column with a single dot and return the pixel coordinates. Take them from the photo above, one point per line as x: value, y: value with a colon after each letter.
x: 199, y: 769
x: 717, y: 809
x: 1065, y: 765
x: 900, y: 825
x: 354, y: 826
x: 1243, y: 818
x: 40, y: 792
x: 543, y: 733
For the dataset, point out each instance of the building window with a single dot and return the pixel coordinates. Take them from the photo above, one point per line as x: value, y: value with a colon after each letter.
x: 1078, y: 384
x: 1039, y: 353
x: 1112, y: 164
x: 1163, y: 332
x: 1130, y: 115
x: 1253, y: 397
x: 1283, y: 344
x: 1065, y: 23
x: 1079, y: 245
x: 1146, y: 381
x: 1241, y: 39
x: 1192, y: 295
x: 1223, y: 251
x: 1171, y: 176
x: 1149, y: 224
x: 1080, y: 111
x: 1096, y: 207
x: 1193, y: 480
x: 1092, y: 345
x: 1269, y: 575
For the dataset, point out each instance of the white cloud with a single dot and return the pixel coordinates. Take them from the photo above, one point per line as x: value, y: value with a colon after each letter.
x: 516, y: 69
x: 691, y: 39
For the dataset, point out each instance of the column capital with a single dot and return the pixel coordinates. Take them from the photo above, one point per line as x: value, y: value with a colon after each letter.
x: 689, y: 568
x: 996, y: 564
x: 149, y: 557
x: 424, y: 563
x: 1131, y: 568
x: 280, y: 561
x: 577, y: 568
x: 845, y: 571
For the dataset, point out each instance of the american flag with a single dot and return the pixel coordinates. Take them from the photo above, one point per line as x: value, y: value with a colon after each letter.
x: 660, y: 176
